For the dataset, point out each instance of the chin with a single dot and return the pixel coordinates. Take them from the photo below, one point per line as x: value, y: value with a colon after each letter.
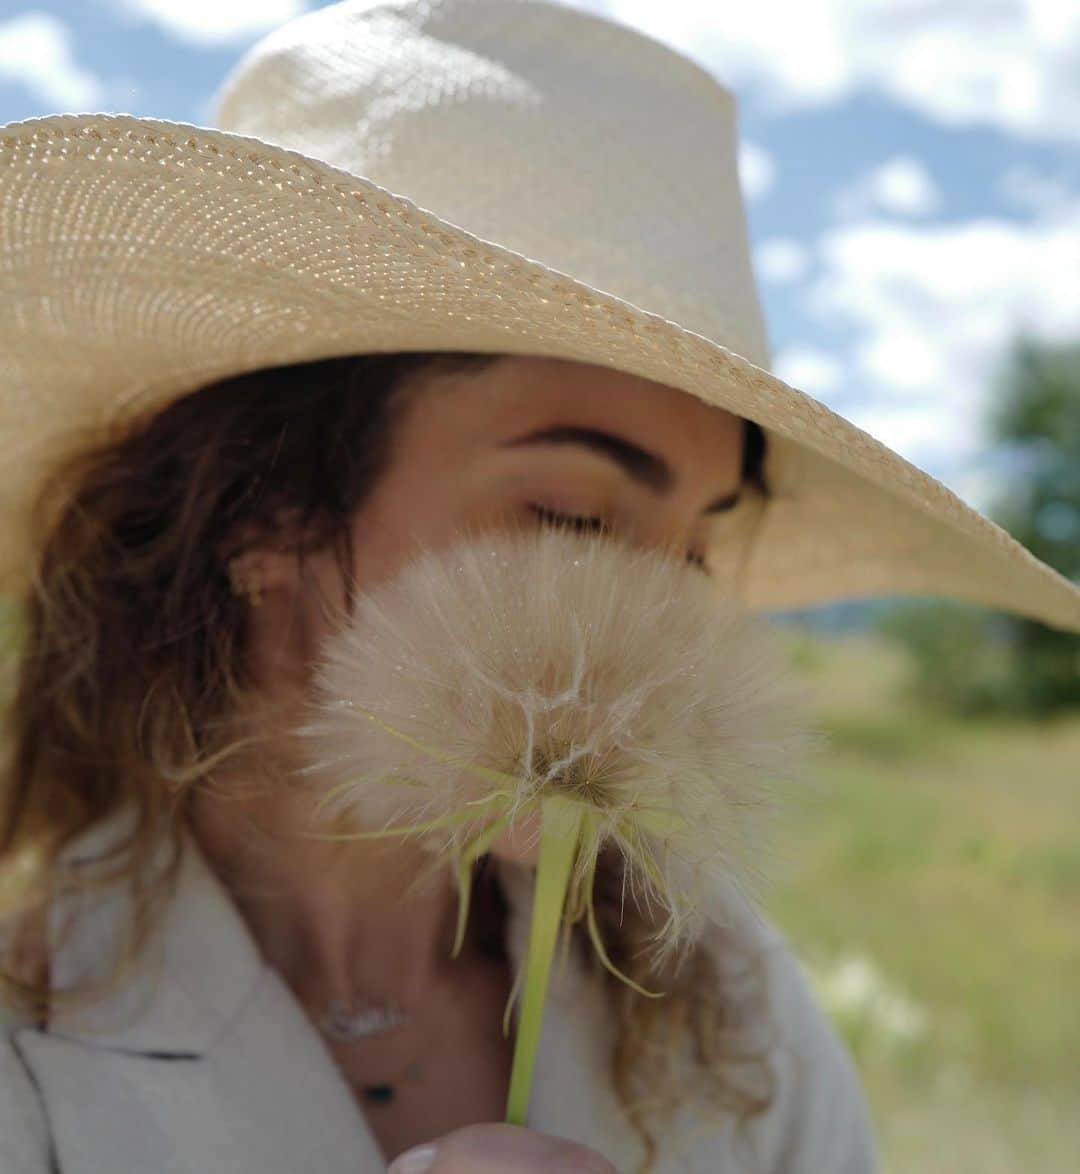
x: 521, y: 844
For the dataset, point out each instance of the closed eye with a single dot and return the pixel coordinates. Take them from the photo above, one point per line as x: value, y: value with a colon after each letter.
x: 594, y: 525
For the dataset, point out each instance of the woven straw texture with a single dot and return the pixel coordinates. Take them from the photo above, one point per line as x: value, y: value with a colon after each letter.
x: 397, y: 143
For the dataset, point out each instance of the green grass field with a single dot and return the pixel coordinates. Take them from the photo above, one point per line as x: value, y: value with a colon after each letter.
x: 930, y: 879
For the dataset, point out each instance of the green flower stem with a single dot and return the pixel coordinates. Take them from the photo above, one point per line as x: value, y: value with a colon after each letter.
x: 560, y: 834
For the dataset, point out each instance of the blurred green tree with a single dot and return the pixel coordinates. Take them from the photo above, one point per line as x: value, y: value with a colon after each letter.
x: 1036, y: 414
x: 965, y: 658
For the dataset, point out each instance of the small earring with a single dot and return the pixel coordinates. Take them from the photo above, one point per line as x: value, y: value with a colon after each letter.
x: 249, y: 584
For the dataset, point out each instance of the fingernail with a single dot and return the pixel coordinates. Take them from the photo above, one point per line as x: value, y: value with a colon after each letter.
x: 414, y: 1161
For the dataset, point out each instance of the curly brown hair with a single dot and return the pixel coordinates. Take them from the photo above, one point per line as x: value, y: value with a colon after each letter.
x: 130, y: 665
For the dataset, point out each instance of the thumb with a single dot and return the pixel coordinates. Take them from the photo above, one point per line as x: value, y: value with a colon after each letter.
x: 501, y: 1149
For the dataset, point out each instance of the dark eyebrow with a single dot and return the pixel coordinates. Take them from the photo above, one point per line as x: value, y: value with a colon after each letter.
x: 642, y: 466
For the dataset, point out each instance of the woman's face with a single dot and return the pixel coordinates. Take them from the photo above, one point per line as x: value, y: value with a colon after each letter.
x: 506, y: 446
x: 652, y: 463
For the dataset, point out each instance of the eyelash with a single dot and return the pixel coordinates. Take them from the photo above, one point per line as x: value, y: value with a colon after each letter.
x: 583, y: 524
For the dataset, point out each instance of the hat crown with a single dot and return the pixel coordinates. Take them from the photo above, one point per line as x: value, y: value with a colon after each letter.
x: 573, y: 140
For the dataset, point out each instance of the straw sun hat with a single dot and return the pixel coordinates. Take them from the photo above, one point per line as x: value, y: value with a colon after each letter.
x: 491, y: 175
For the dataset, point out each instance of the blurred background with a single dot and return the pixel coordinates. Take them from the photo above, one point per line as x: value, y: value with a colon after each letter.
x: 912, y: 178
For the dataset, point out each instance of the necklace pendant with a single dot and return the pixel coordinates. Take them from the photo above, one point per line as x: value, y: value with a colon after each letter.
x: 343, y: 1025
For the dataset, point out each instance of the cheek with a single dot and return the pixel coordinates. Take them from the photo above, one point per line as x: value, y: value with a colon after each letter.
x: 417, y: 513
x: 395, y: 524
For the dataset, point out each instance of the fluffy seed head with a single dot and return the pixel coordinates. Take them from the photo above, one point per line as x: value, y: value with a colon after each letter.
x: 510, y: 667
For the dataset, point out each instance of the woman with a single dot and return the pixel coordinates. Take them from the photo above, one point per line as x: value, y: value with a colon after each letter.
x: 242, y: 373
x: 318, y: 472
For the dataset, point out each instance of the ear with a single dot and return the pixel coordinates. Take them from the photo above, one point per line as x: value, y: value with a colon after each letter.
x: 251, y: 553
x: 274, y: 570
x: 288, y: 585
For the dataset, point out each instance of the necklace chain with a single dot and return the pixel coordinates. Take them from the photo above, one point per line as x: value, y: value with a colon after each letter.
x: 343, y: 1025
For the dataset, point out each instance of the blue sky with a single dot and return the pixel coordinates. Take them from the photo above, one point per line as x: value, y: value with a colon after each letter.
x: 911, y: 169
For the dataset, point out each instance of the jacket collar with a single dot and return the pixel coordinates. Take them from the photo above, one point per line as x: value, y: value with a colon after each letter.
x: 187, y: 983
x: 200, y: 989
x: 201, y: 963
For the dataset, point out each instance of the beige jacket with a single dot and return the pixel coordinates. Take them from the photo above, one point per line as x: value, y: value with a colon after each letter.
x: 209, y: 1064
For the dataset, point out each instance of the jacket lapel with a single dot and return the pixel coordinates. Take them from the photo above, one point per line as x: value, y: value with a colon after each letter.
x: 202, y: 1059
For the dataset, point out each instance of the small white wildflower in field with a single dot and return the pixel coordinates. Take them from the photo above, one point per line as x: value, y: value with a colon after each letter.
x: 865, y: 1004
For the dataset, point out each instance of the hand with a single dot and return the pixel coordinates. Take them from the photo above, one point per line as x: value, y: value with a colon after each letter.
x: 500, y: 1149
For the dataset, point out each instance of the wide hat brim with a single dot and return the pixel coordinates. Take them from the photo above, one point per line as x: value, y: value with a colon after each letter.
x: 142, y: 258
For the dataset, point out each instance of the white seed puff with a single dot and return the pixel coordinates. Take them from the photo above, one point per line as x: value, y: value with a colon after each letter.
x: 507, y: 668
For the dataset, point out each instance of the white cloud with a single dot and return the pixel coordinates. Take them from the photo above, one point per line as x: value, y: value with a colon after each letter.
x: 756, y: 169
x: 781, y: 260
x: 213, y: 22
x: 809, y: 369
x: 901, y: 185
x: 36, y: 51
x: 1014, y: 64
x: 935, y: 309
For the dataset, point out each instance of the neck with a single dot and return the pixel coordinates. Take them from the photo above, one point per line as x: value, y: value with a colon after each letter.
x: 346, y: 921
